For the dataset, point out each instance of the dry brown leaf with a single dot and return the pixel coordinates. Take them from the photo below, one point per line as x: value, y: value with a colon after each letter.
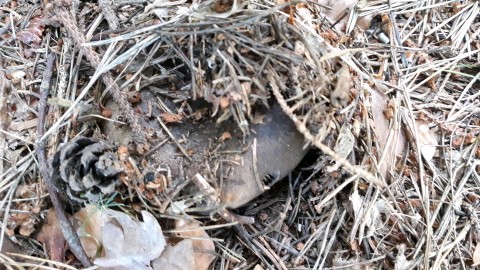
x: 91, y: 220
x: 340, y: 96
x: 344, y: 146
x: 170, y: 257
x: 476, y: 255
x: 52, y: 237
x: 204, y: 248
x: 426, y: 139
x: 382, y: 130
x: 33, y: 33
x: 355, y: 246
x: 130, y: 244
x: 127, y: 243
x: 19, y: 126
x: 224, y: 102
x: 225, y: 136
x: 171, y: 117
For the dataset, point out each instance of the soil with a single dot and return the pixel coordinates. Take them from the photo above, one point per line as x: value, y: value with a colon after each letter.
x: 217, y: 151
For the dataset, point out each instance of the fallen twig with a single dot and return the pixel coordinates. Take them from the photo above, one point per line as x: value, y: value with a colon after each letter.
x: 4, y: 91
x: 109, y: 13
x: 93, y: 57
x: 180, y: 147
x: 70, y: 236
x: 311, y: 138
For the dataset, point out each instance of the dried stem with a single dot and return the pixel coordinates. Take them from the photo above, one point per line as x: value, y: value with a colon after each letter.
x: 4, y: 91
x: 70, y: 236
x: 79, y: 38
x: 311, y: 138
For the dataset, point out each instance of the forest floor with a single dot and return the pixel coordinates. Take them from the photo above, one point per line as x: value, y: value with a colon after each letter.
x: 123, y: 125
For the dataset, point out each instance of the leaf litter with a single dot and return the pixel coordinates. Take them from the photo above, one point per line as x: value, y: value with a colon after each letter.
x: 116, y: 241
x: 404, y: 196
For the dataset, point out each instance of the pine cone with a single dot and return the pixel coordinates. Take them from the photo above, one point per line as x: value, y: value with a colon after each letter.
x: 86, y: 170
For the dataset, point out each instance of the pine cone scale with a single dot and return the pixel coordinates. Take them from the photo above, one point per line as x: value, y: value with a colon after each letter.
x: 86, y: 169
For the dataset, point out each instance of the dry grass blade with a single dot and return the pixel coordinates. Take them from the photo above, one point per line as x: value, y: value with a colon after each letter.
x: 94, y: 59
x: 315, y: 141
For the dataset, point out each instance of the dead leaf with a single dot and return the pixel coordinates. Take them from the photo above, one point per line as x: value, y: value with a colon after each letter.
x: 170, y: 257
x: 225, y: 136
x: 52, y: 237
x: 171, y: 117
x: 33, y: 33
x: 390, y: 150
x: 340, y: 96
x: 427, y: 140
x: 130, y: 244
x: 127, y: 243
x: 202, y: 245
x: 258, y: 118
x: 344, y: 146
x: 224, y: 102
x: 476, y: 255
x: 19, y: 126
x: 355, y: 246
x: 91, y: 220
x: 401, y: 262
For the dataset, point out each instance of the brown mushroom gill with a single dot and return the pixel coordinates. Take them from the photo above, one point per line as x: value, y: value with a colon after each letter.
x: 229, y: 165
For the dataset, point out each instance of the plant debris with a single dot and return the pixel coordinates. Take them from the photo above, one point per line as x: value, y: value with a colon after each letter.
x: 52, y: 237
x: 115, y: 241
x: 86, y: 170
x: 201, y: 112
